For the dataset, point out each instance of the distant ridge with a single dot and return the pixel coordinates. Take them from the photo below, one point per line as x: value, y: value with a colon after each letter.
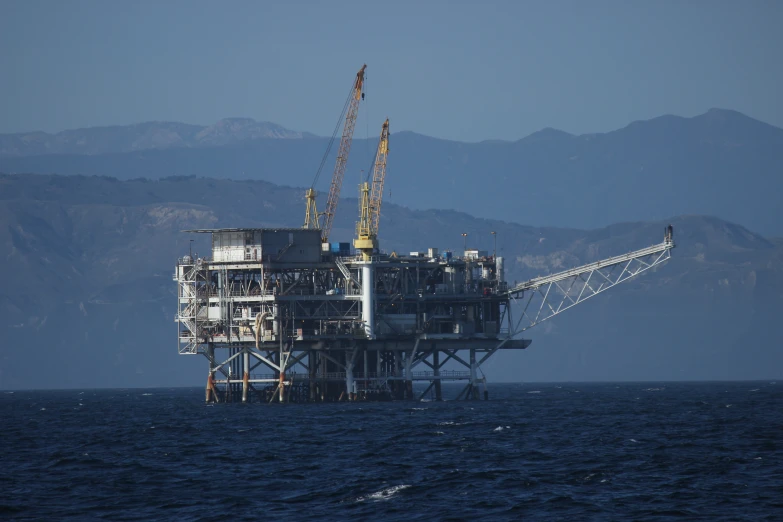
x: 91, y: 258
x: 142, y: 136
x: 720, y: 163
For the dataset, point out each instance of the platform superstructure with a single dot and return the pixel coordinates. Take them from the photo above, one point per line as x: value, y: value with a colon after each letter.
x: 284, y: 315
x: 281, y: 318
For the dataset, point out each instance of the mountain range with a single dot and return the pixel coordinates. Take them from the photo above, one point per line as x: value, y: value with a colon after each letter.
x: 88, y: 300
x: 142, y: 136
x: 719, y: 163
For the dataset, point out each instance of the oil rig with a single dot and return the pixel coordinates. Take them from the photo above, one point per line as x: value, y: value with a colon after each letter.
x: 283, y: 315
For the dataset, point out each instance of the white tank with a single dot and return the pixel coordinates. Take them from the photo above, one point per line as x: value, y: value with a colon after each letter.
x: 501, y: 270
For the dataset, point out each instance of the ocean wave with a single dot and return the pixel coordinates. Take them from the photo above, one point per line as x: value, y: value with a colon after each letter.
x: 383, y: 494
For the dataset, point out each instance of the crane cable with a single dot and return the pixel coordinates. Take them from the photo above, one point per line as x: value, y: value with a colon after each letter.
x: 367, y: 143
x: 371, y: 169
x: 331, y: 140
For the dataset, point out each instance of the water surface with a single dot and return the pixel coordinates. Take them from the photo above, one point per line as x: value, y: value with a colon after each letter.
x: 709, y: 451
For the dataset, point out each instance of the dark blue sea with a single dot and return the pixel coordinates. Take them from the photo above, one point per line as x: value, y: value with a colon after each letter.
x: 635, y: 451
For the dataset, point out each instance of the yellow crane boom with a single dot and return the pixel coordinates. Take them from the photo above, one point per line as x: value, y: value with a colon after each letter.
x: 351, y: 112
x: 370, y: 199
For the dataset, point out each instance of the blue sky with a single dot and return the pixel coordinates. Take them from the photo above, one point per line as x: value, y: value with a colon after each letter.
x: 459, y: 70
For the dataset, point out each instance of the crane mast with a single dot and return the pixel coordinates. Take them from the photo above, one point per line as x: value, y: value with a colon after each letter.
x: 352, y: 111
x: 370, y: 199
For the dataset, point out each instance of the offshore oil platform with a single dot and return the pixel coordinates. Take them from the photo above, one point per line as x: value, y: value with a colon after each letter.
x: 283, y: 315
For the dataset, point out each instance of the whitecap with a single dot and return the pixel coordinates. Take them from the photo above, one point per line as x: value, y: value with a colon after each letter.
x: 144, y: 394
x: 499, y: 428
x: 755, y: 390
x: 384, y: 494
x: 729, y: 405
x: 439, y: 433
x: 534, y: 391
x: 757, y: 458
x: 634, y: 440
x: 43, y: 409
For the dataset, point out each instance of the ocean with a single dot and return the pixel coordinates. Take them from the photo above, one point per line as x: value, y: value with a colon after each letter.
x: 570, y: 451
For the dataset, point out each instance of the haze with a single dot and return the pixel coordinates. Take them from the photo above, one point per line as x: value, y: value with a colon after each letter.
x: 460, y: 70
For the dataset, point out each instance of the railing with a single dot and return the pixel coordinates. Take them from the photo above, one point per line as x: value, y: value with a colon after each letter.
x: 190, y: 261
x: 361, y: 376
x: 256, y: 292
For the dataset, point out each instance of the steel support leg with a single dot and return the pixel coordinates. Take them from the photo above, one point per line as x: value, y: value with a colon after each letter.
x: 211, y: 395
x: 366, y: 381
x: 246, y: 375
x: 349, y: 383
x: 312, y: 368
x: 474, y: 391
x: 436, y: 372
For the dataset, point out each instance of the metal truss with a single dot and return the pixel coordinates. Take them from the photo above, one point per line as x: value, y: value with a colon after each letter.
x: 551, y: 295
x: 188, y: 310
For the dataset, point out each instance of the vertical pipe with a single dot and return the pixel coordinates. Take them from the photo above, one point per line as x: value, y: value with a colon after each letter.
x: 368, y: 291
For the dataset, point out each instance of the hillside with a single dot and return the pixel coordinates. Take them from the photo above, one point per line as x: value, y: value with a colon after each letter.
x: 88, y: 264
x: 720, y: 163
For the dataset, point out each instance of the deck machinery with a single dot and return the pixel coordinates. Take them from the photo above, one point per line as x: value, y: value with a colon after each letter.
x: 283, y: 317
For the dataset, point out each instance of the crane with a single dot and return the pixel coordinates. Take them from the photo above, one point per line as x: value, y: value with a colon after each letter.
x: 351, y: 110
x: 370, y: 199
x: 545, y: 297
